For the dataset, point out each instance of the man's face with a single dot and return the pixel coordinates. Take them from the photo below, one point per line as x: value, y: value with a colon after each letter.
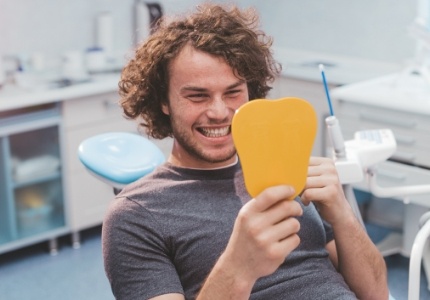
x: 203, y: 96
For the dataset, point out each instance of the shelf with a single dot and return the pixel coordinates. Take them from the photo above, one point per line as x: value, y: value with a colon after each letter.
x: 37, y: 180
x: 34, y: 221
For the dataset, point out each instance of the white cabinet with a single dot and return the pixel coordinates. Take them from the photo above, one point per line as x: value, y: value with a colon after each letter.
x: 411, y: 130
x: 88, y: 197
x: 311, y: 91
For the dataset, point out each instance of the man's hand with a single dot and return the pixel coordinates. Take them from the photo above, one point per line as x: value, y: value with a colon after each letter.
x: 265, y: 232
x: 325, y: 190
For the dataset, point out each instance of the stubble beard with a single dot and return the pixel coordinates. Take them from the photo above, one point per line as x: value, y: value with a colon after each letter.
x: 194, y: 150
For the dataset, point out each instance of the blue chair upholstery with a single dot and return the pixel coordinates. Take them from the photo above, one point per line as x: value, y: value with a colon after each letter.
x: 119, y: 158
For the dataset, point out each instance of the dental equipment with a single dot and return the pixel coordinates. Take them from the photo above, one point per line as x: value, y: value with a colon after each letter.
x: 358, y: 157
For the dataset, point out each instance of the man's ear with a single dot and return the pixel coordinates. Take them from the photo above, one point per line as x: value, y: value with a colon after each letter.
x: 165, y: 108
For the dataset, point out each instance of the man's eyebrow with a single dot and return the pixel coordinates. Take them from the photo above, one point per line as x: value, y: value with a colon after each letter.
x: 200, y: 89
x: 192, y: 89
x: 235, y: 85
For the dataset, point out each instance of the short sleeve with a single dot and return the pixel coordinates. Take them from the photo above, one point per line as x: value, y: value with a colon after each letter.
x: 329, y: 236
x: 136, y: 255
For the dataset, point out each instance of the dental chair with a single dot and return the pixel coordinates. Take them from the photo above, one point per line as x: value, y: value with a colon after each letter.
x: 119, y: 158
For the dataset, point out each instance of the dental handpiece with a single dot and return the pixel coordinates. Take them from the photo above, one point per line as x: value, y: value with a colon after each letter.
x: 336, y: 137
x: 332, y: 123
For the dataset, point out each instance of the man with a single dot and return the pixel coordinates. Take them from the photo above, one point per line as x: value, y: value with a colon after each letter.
x: 190, y: 230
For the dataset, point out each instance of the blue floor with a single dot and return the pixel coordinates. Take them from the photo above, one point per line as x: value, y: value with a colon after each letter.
x: 31, y: 273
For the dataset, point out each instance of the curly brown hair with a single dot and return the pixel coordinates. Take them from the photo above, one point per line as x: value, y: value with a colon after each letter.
x: 224, y: 32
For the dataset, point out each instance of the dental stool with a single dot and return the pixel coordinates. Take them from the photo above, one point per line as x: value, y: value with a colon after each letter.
x: 119, y: 158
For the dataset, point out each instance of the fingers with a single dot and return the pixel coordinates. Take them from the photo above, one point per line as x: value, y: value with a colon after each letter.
x: 321, y: 172
x: 290, y: 243
x: 286, y: 235
x: 279, y: 240
x: 321, y: 165
x: 329, y: 192
x: 280, y: 250
x: 284, y: 229
x: 271, y: 196
x: 283, y: 210
x: 271, y: 207
x: 322, y: 182
x: 318, y: 160
x: 278, y: 232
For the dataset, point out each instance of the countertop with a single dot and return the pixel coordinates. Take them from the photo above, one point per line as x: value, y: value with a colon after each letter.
x: 401, y: 91
x: 339, y: 70
x: 12, y: 97
x: 296, y: 64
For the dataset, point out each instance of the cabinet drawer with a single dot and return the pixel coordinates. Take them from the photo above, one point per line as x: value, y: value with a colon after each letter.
x: 411, y: 131
x: 92, y: 109
x: 392, y: 174
x: 385, y: 116
x: 401, y: 119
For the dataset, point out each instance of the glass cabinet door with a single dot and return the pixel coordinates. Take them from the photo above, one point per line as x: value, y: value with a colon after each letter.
x: 36, y: 181
x: 7, y: 223
x: 31, y: 185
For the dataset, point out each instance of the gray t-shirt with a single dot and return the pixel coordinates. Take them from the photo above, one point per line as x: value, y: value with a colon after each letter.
x: 164, y: 233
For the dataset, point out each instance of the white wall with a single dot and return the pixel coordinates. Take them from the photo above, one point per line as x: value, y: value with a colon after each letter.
x: 56, y: 26
x: 52, y: 27
x: 374, y: 29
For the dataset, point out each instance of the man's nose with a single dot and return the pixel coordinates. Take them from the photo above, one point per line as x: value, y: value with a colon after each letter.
x: 218, y: 108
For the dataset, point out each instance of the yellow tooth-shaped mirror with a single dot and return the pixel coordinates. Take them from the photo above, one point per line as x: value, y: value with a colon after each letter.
x: 274, y: 140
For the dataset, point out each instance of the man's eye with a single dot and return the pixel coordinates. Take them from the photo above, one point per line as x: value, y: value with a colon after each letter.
x: 233, y: 93
x: 197, y: 97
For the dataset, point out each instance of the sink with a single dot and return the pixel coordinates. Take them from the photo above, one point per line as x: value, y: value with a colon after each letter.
x: 316, y: 63
x: 65, y: 82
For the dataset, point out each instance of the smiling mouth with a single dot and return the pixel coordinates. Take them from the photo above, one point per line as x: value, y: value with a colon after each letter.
x: 215, y: 132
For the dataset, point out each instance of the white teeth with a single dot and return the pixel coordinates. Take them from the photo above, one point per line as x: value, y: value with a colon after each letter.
x: 215, y: 132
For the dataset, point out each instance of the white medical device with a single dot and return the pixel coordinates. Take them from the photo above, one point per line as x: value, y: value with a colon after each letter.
x: 368, y: 148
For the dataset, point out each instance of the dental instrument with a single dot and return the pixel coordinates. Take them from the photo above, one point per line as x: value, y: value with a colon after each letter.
x: 333, y: 123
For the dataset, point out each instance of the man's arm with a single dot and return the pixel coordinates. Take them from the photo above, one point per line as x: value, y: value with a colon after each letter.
x: 358, y: 259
